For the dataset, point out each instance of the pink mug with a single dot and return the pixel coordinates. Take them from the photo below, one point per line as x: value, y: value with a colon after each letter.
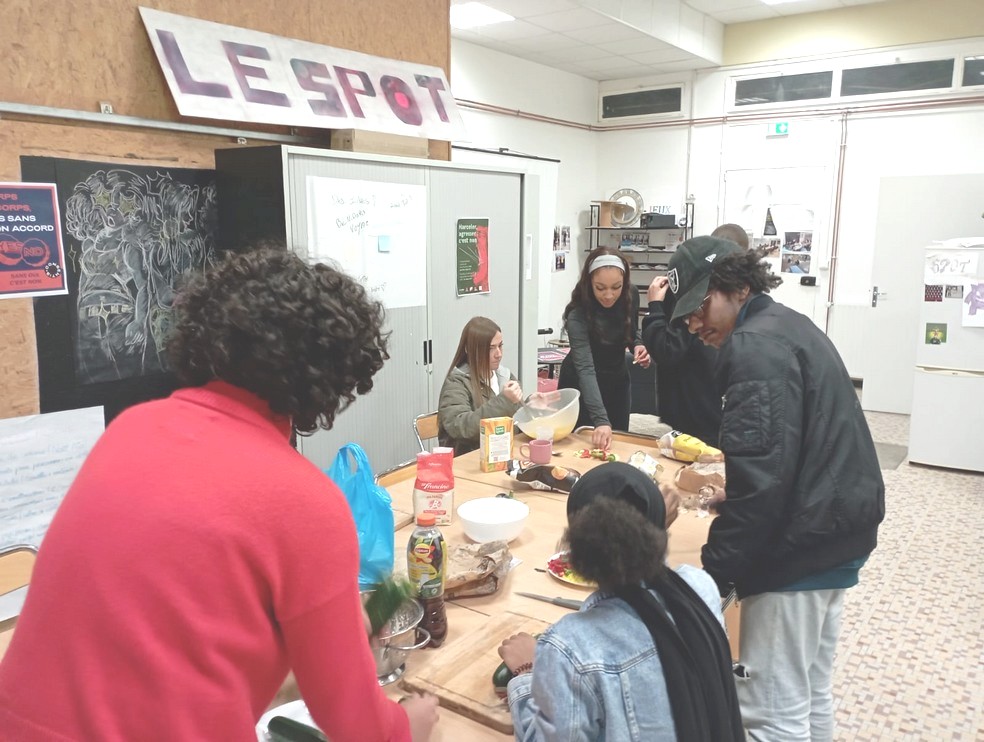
x: 538, y: 451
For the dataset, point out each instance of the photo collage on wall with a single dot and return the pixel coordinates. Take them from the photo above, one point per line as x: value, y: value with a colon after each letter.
x: 561, y: 247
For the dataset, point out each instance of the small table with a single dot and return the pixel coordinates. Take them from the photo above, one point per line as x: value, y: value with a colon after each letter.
x: 551, y: 358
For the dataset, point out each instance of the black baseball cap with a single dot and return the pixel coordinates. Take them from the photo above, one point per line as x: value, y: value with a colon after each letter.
x: 690, y: 269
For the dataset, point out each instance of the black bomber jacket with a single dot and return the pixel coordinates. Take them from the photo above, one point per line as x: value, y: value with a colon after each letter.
x: 804, y: 489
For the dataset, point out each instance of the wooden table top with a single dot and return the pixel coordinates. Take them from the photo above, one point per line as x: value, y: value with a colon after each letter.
x: 538, y: 541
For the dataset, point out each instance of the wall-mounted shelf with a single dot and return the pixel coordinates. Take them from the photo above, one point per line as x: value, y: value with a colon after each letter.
x: 640, y: 252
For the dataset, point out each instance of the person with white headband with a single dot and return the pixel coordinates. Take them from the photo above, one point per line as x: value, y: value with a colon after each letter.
x: 602, y: 323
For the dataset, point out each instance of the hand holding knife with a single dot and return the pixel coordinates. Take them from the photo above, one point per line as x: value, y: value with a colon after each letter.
x: 571, y: 603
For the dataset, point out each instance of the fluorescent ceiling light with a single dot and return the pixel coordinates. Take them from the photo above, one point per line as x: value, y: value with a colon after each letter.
x: 472, y: 15
x: 779, y: 2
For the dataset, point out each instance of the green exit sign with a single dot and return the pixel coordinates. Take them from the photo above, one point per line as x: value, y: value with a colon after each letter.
x: 778, y: 129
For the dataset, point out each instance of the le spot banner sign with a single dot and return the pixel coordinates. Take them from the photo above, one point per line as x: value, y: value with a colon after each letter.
x: 235, y: 74
x: 32, y: 257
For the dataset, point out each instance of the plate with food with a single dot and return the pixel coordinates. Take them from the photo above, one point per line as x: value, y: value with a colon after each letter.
x: 559, y: 566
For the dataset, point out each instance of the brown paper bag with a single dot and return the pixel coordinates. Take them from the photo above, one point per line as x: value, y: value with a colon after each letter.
x: 476, y: 569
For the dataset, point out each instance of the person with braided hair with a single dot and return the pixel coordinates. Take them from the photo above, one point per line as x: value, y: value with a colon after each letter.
x: 646, y: 657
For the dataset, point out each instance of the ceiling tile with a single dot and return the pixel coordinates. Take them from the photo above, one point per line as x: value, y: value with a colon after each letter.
x: 638, y: 45
x: 603, y: 33
x: 526, y: 8
x: 658, y: 57
x: 713, y: 7
x: 510, y: 30
x: 582, y: 53
x: 569, y: 20
x: 546, y: 42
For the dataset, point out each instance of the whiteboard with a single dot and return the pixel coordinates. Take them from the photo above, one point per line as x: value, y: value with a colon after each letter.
x: 375, y: 232
x: 42, y: 455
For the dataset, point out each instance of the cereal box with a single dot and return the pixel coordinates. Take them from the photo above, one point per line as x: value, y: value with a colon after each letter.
x: 495, y: 443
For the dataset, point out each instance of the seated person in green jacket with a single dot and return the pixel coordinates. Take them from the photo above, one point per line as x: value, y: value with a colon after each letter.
x: 478, y: 386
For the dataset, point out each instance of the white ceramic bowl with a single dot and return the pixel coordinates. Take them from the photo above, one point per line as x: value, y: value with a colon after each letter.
x: 555, y: 410
x: 493, y: 518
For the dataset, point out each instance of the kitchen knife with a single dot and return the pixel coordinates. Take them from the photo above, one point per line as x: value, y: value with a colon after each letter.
x: 562, y: 602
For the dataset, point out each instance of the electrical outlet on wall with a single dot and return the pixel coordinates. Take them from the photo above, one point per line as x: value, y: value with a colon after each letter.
x: 105, y: 107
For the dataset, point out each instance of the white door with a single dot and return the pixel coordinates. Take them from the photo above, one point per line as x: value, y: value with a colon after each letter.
x: 913, y: 211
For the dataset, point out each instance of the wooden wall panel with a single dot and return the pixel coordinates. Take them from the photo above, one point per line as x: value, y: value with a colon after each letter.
x: 75, y: 54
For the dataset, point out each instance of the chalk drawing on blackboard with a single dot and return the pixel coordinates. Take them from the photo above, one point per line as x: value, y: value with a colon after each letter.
x: 137, y: 233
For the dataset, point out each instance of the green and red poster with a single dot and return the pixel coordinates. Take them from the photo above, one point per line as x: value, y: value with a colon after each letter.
x: 32, y: 258
x: 473, y: 256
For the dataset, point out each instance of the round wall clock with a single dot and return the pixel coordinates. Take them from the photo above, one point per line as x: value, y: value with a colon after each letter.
x: 627, y: 207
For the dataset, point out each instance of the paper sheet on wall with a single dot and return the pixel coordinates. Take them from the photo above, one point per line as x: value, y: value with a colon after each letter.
x: 41, y: 456
x: 375, y: 232
x: 949, y: 266
x: 972, y: 309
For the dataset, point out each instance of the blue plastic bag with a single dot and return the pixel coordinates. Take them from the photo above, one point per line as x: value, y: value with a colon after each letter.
x: 372, y: 510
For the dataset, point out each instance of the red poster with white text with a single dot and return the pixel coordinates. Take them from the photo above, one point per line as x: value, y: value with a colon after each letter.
x: 32, y: 257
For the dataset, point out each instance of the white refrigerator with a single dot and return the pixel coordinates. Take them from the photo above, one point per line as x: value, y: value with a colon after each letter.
x: 947, y: 423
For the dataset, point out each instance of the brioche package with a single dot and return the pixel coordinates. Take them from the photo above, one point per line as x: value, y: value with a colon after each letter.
x: 433, y: 490
x: 495, y: 443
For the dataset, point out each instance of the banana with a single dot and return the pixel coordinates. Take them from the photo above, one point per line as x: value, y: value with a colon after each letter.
x: 683, y: 447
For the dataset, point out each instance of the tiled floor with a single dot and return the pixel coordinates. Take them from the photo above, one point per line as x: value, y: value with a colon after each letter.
x: 910, y: 665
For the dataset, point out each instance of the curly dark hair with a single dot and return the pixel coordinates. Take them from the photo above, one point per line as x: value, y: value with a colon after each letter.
x: 734, y: 272
x: 583, y: 294
x: 305, y: 338
x: 612, y: 545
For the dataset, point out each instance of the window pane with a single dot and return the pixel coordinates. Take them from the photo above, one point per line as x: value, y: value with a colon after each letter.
x: 783, y: 88
x: 893, y: 78
x: 973, y: 71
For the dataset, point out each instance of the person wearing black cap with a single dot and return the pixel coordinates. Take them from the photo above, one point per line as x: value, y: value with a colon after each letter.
x: 804, y: 490
x: 646, y: 657
x: 685, y: 394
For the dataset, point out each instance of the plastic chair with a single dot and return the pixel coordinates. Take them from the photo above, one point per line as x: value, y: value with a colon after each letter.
x: 425, y: 428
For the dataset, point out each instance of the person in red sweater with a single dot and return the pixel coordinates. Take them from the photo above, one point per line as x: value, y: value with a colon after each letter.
x: 197, y: 557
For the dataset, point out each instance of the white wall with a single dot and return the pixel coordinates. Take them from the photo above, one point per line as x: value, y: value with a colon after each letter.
x: 667, y: 164
x: 486, y: 76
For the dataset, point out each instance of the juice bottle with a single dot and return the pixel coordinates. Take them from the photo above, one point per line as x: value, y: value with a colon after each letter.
x: 427, y: 562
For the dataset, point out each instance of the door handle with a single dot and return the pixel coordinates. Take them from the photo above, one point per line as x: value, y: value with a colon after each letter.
x: 875, y: 293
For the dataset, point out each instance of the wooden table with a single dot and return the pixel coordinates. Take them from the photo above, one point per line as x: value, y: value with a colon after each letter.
x: 534, y: 546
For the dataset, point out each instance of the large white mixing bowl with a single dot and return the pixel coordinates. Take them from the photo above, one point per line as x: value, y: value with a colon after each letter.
x: 556, y: 411
x: 493, y: 518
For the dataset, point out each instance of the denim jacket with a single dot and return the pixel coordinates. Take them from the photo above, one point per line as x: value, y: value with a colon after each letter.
x: 598, y: 675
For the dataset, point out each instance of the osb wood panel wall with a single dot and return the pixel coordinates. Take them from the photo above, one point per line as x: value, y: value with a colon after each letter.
x: 92, y: 52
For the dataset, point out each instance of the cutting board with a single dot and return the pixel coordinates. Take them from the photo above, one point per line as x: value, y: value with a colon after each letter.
x: 460, y: 673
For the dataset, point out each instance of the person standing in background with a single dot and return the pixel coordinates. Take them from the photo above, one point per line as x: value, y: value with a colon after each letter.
x: 477, y: 386
x: 804, y: 492
x: 197, y: 557
x: 687, y: 396
x: 602, y: 323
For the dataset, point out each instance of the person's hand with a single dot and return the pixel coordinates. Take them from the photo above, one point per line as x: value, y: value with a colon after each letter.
x: 671, y: 499
x: 715, y: 497
x: 601, y: 437
x: 518, y: 650
x: 421, y: 710
x: 657, y: 289
x: 513, y: 391
x: 641, y: 356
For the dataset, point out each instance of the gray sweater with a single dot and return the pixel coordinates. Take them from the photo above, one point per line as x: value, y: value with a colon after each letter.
x: 459, y: 414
